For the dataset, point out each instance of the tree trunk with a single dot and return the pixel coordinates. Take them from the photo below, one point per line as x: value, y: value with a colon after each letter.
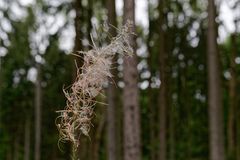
x: 98, y: 136
x: 27, y: 139
x: 1, y: 87
x: 78, y: 38
x: 214, y: 89
x: 38, y: 115
x: 232, y: 100
x: 237, y: 109
x: 78, y: 23
x: 16, y: 148
x: 89, y: 22
x: 163, y: 91
x: 111, y: 91
x: 119, y: 128
x: 238, y: 133
x: 9, y: 154
x: 151, y: 104
x: 131, y: 122
x: 172, y: 134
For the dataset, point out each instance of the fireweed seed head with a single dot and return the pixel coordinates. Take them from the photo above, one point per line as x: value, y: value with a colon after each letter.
x: 75, y: 119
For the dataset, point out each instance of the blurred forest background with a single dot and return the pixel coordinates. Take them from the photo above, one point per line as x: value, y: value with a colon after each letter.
x: 176, y: 99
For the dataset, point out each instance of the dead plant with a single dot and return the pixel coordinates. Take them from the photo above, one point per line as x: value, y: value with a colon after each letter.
x: 75, y: 119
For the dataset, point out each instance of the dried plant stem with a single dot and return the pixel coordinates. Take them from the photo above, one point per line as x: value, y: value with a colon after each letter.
x: 74, y: 152
x: 75, y: 119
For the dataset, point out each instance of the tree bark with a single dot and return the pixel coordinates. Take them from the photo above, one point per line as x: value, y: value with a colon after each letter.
x: 88, y: 20
x: 131, y: 122
x: 27, y: 138
x: 38, y: 100
x: 78, y: 37
x: 77, y: 25
x: 232, y: 100
x: 172, y: 134
x: 214, y: 89
x: 98, y: 136
x: 111, y: 91
x: 163, y: 91
x: 78, y: 22
x: 238, y: 134
x: 16, y: 148
x: 151, y: 105
x: 237, y: 114
x: 9, y: 154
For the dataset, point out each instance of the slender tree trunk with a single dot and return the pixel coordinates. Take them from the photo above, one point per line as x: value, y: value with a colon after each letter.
x: 78, y: 23
x: 131, y: 122
x: 152, y: 120
x: 119, y: 128
x: 0, y: 87
x: 232, y: 100
x: 88, y: 20
x: 111, y: 122
x: 163, y: 91
x: 98, y: 136
x: 9, y: 154
x: 54, y: 154
x: 237, y: 109
x: 238, y: 133
x: 172, y: 134
x: 78, y: 38
x: 214, y: 89
x: 38, y: 100
x: 151, y: 105
x: 27, y: 138
x: 16, y: 148
x: 111, y: 91
x: 152, y: 116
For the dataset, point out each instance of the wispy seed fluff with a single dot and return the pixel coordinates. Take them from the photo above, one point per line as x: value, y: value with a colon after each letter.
x: 75, y: 119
